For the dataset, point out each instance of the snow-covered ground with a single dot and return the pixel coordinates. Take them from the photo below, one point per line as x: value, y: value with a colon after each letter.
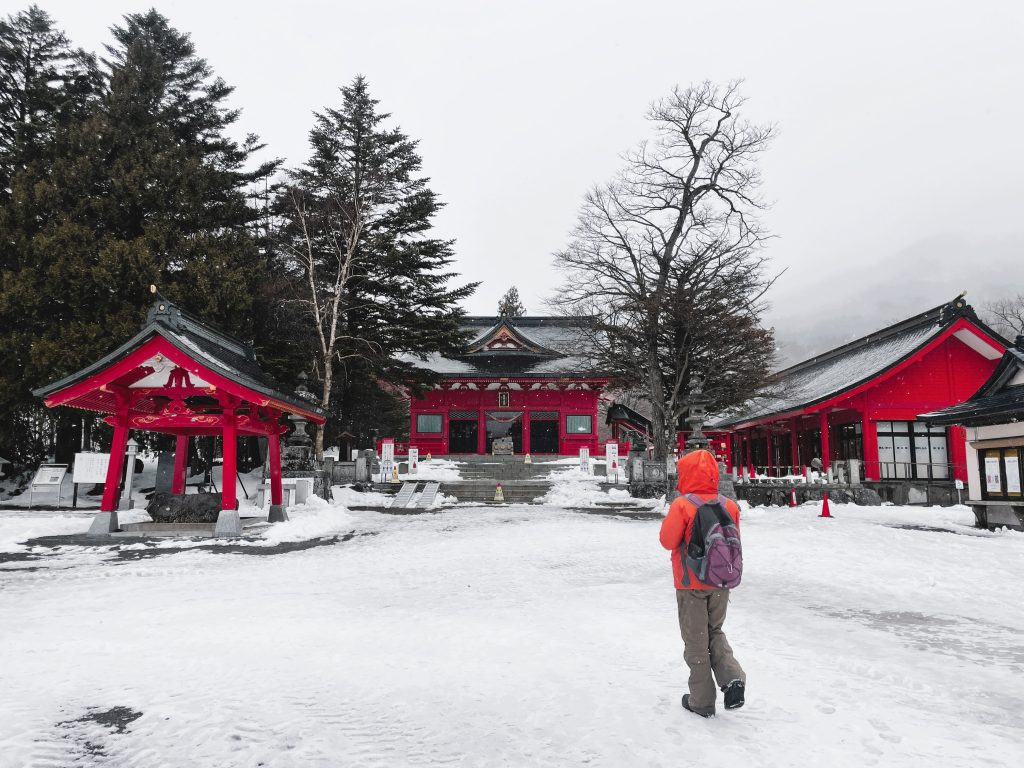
x: 509, y: 636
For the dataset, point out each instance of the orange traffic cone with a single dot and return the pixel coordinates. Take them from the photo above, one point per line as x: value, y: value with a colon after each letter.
x: 499, y: 494
x: 824, y: 506
x: 792, y: 496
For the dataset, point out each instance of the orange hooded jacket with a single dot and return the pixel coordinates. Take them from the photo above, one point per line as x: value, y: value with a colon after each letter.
x: 698, y: 474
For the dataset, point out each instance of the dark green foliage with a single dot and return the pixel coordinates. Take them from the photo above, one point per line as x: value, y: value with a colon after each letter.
x: 373, y: 284
x: 128, y: 183
x: 44, y: 83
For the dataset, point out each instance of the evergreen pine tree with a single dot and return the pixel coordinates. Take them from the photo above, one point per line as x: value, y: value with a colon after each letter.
x: 357, y: 241
x: 145, y: 188
x: 43, y: 82
x: 510, y: 305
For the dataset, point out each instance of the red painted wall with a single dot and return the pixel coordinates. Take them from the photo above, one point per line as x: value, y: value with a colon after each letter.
x: 567, y: 402
x: 948, y: 374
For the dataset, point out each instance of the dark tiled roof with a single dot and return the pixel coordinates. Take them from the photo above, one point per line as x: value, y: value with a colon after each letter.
x: 620, y: 412
x: 554, y: 342
x: 1004, y: 407
x: 846, y: 367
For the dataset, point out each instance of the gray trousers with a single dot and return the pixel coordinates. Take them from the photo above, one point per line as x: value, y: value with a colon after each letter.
x: 705, y: 649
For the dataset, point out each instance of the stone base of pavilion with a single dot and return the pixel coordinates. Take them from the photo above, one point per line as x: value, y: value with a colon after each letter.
x: 106, y: 524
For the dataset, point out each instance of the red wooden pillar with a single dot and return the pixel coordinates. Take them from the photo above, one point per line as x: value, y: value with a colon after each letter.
x: 794, y: 446
x: 481, y: 435
x: 274, y: 456
x: 180, y: 462
x: 116, y: 465
x: 748, y: 457
x: 227, y: 483
x: 728, y: 452
x: 958, y: 452
x: 869, y: 436
x: 770, y: 439
x: 826, y: 454
x: 526, y: 428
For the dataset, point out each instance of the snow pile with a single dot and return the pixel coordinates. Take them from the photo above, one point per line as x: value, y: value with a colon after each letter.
x: 576, y: 488
x: 435, y: 470
x: 347, y: 496
x: 316, y: 519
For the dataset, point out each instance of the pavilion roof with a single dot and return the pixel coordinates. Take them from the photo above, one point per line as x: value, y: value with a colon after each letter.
x: 852, y: 365
x: 215, y: 351
x: 999, y: 401
x: 524, y: 347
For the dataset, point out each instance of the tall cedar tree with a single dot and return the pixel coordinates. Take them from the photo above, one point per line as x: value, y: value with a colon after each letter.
x: 145, y: 188
x: 372, y: 282
x: 45, y: 86
x: 44, y: 83
x: 510, y: 304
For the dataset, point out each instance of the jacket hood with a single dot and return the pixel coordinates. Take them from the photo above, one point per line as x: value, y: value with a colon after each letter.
x: 698, y: 473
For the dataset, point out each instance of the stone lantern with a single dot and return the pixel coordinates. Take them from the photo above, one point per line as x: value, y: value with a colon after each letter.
x: 131, y: 449
x: 698, y: 410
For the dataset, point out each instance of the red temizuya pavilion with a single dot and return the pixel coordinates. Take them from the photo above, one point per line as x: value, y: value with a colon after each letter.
x: 181, y: 377
x: 860, y: 402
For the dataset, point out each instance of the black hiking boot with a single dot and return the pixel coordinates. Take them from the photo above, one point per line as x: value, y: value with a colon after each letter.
x: 686, y: 706
x: 734, y: 694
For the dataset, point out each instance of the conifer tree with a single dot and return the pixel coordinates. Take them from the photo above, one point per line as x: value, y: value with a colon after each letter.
x: 43, y: 83
x: 510, y: 305
x: 145, y: 187
x: 372, y: 280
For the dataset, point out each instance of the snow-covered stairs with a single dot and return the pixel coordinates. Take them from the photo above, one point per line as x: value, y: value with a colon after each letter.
x: 483, y: 491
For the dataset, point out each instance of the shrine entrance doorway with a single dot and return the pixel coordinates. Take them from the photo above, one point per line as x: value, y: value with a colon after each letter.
x: 544, y: 434
x: 463, y: 435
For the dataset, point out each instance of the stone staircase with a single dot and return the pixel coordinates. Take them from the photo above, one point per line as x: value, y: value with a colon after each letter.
x: 503, y: 469
x: 482, y: 491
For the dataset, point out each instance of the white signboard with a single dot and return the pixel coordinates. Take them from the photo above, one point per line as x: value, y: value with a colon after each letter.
x: 1012, y: 464
x: 91, y: 467
x: 414, y: 460
x: 993, y: 480
x: 50, y: 474
x: 611, y: 460
x: 585, y: 460
x: 387, y: 459
x: 958, y: 484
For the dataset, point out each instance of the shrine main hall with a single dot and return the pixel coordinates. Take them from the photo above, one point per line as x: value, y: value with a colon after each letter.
x: 517, y: 379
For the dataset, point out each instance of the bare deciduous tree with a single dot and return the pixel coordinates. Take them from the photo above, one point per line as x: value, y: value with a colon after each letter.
x: 325, y: 251
x: 667, y: 258
x: 1006, y: 316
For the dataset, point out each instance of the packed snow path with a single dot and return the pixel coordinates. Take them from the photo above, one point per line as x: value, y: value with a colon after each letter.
x: 511, y: 637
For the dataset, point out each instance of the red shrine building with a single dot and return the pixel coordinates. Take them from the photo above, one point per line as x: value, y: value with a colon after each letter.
x: 181, y: 377
x: 517, y: 379
x: 861, y: 401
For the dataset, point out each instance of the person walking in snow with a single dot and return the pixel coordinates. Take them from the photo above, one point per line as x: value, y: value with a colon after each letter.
x: 702, y: 606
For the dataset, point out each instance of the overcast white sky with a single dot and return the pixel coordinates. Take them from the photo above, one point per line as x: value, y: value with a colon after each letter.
x: 896, y: 176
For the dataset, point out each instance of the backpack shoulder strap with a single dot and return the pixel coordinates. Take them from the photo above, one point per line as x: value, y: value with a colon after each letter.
x: 697, y: 502
x: 724, y: 517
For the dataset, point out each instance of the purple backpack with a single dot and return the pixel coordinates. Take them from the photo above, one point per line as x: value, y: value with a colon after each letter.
x: 714, y: 554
